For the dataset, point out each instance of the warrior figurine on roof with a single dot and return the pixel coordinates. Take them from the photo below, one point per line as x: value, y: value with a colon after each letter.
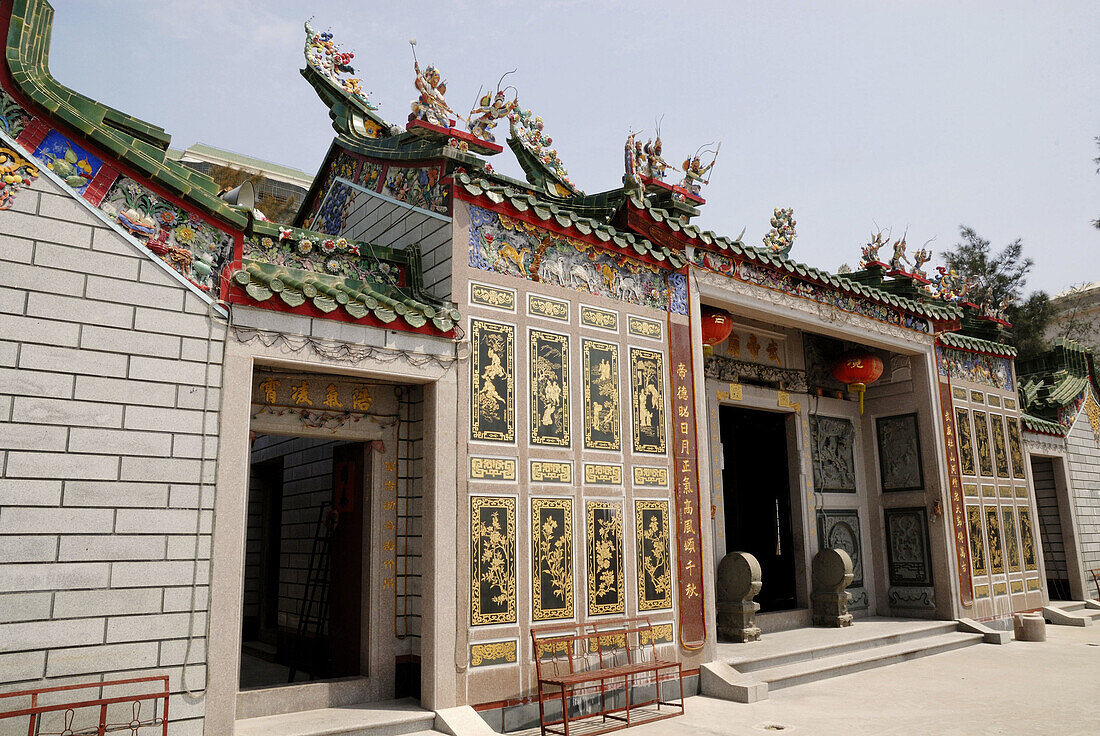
x: 870, y: 251
x: 430, y: 105
x: 632, y: 178
x: 490, y: 108
x: 694, y: 171
x: 920, y: 258
x: 655, y: 165
x: 899, y: 256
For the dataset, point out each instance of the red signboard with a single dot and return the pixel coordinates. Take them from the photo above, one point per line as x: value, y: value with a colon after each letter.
x: 689, y: 552
x: 958, y: 510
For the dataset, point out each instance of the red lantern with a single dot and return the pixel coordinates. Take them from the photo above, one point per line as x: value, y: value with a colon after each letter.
x: 716, y: 326
x: 857, y: 368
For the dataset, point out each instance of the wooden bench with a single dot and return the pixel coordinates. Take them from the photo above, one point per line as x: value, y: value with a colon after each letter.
x: 591, y: 658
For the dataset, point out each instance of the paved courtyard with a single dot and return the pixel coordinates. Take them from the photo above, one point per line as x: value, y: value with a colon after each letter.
x: 1017, y: 688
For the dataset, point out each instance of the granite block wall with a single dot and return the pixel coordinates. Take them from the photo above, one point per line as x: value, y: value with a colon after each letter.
x: 108, y: 434
x: 1083, y: 450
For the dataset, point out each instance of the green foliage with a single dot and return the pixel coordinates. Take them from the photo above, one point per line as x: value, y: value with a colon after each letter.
x: 1001, y: 275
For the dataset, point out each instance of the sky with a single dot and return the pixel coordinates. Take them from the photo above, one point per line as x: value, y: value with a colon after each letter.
x: 915, y: 115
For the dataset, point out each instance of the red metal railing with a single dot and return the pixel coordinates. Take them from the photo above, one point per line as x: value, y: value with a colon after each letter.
x: 70, y: 709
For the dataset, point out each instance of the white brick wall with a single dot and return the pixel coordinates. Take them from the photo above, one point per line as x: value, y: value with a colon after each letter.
x: 1083, y: 452
x: 101, y: 435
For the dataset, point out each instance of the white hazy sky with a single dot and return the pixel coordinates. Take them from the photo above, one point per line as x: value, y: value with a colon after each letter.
x: 921, y: 114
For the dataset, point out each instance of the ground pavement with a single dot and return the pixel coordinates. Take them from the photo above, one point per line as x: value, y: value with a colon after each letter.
x: 1044, y: 688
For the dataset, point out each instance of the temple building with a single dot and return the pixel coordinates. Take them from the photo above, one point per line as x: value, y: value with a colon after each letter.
x: 260, y: 470
x: 1062, y: 435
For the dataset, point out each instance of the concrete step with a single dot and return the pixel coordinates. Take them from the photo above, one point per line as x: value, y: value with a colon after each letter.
x: 753, y: 662
x: 799, y: 673
x: 1077, y: 608
x: 1068, y: 606
x: 390, y: 718
x: 1060, y: 617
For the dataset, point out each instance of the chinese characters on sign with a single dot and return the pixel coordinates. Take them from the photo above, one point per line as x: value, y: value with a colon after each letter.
x: 389, y: 524
x: 958, y: 511
x: 688, y: 517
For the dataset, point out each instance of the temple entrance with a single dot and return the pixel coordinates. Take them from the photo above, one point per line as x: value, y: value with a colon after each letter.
x: 1050, y: 528
x: 757, y: 496
x: 304, y: 598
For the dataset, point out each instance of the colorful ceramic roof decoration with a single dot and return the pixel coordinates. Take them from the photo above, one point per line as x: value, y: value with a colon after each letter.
x: 534, y: 149
x: 325, y: 55
x: 781, y: 237
x: 15, y: 173
x: 120, y: 165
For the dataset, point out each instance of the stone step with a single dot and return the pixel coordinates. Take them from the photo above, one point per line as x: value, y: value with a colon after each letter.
x: 1078, y: 608
x: 812, y: 670
x: 1068, y: 606
x: 390, y: 718
x: 1062, y: 617
x: 753, y: 662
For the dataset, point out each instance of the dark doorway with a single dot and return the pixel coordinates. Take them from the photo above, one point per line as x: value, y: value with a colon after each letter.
x: 757, y: 498
x: 1050, y: 528
x: 304, y: 599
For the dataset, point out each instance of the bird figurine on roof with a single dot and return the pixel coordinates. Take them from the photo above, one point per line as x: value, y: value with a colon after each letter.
x: 781, y: 237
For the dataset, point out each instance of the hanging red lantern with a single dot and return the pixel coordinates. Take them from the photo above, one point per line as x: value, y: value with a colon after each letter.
x: 716, y: 326
x: 857, y: 368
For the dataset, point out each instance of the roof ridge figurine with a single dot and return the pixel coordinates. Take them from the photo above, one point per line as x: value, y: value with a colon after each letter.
x: 899, y: 256
x: 490, y: 109
x: 694, y: 170
x: 655, y: 165
x: 324, y: 55
x: 780, y: 239
x: 430, y: 106
x: 870, y: 251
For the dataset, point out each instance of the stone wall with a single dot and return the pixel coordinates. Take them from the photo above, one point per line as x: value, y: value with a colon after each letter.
x: 104, y: 526
x: 1083, y: 452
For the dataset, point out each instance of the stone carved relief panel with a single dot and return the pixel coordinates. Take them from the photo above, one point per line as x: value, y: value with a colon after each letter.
x: 647, y: 388
x: 977, y: 539
x: 601, y: 395
x: 966, y: 442
x: 492, y: 560
x: 1015, y: 447
x: 552, y: 558
x: 653, y: 561
x: 909, y: 557
x: 492, y: 373
x: 833, y: 442
x: 992, y: 531
x: 1000, y: 449
x: 604, y: 545
x: 1012, y: 544
x: 899, y: 453
x: 1027, y: 541
x: 981, y: 444
x: 839, y: 529
x: 549, y: 381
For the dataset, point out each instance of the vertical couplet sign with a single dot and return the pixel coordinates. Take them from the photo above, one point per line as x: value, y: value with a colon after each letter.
x: 689, y: 553
x: 958, y: 510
